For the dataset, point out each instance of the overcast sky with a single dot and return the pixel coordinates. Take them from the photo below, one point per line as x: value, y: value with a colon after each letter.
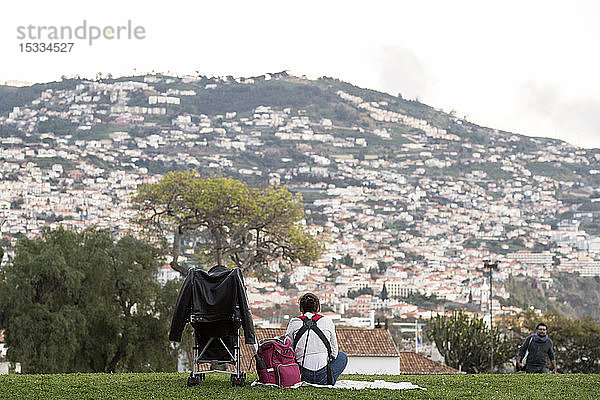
x: 529, y: 67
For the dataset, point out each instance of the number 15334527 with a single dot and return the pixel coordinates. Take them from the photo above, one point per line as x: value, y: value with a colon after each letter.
x: 41, y: 47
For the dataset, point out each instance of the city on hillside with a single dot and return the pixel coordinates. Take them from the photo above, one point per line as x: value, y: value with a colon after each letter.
x: 410, y: 201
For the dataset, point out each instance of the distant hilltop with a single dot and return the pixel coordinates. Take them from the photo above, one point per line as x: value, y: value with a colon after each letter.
x: 15, y: 83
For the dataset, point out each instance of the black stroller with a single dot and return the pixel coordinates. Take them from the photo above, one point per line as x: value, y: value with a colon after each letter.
x: 216, y: 306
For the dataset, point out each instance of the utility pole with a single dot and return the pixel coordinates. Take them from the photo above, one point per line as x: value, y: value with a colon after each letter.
x: 492, y: 266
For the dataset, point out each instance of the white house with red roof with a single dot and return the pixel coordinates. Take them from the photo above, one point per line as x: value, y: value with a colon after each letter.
x: 370, y: 352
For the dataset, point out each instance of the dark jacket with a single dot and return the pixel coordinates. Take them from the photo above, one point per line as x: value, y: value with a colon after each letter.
x: 538, y: 351
x: 213, y: 299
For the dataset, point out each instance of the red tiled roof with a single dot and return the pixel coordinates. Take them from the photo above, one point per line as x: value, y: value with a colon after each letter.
x: 355, y: 342
x: 366, y: 342
x: 414, y: 363
x: 266, y: 333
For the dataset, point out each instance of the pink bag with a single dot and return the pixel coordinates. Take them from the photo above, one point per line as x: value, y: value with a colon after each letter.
x: 276, y: 362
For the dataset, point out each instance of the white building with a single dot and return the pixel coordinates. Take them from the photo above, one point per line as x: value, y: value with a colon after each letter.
x: 584, y: 267
x: 531, y: 258
x: 6, y: 366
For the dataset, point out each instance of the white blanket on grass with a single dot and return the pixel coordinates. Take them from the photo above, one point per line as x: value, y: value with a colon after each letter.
x: 348, y: 384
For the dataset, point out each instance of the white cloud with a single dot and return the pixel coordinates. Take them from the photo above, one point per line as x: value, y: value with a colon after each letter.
x: 401, y: 71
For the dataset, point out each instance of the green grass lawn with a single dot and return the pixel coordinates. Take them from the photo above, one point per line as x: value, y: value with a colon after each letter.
x: 217, y: 386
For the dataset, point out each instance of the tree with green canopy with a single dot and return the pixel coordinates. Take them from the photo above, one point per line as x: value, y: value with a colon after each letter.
x: 82, y: 302
x: 235, y: 224
x: 464, y: 342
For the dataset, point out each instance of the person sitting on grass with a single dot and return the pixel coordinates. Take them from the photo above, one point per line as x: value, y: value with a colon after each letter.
x: 315, y: 343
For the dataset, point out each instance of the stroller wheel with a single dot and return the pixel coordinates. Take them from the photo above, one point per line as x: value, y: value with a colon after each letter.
x: 192, y: 381
x: 238, y: 380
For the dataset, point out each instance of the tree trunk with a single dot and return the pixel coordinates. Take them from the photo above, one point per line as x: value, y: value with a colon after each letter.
x: 176, y: 251
x: 218, y: 246
x: 112, y: 365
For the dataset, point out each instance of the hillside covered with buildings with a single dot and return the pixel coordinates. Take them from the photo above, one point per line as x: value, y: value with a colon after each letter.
x: 410, y: 200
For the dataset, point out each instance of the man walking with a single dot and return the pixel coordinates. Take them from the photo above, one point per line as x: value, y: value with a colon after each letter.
x: 538, y: 345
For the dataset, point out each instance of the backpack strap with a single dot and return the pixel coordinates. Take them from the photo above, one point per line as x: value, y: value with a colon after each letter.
x: 527, y: 347
x: 530, y: 339
x: 321, y: 335
x: 311, y: 324
x: 301, y: 331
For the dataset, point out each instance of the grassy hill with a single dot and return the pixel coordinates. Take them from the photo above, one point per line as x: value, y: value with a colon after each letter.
x: 216, y: 386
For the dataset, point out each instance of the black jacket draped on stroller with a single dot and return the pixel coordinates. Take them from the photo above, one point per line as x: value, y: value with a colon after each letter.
x: 214, y: 300
x: 215, y: 304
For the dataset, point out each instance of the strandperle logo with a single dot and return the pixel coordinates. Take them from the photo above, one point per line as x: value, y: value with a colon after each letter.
x: 89, y: 33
